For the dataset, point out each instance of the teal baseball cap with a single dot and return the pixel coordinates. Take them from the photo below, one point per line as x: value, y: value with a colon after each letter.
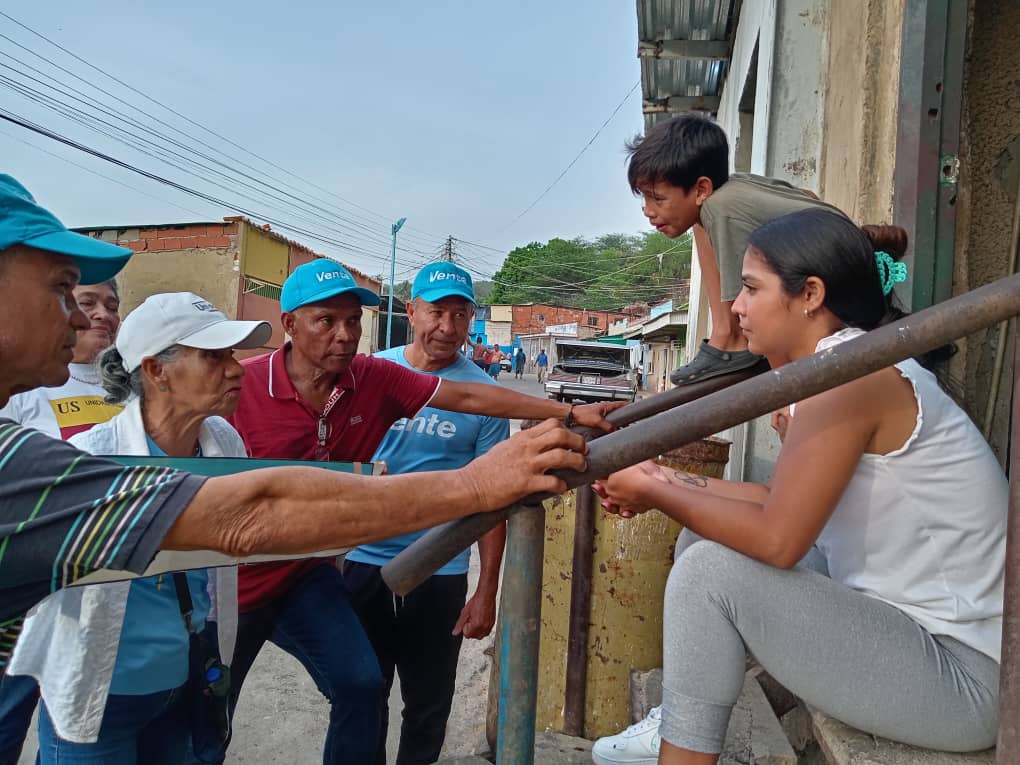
x: 23, y: 221
x: 439, y: 280
x: 320, y: 279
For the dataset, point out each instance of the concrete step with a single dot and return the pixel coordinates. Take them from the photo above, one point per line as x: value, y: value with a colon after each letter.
x: 755, y: 736
x: 558, y: 749
x: 550, y: 749
x: 842, y: 745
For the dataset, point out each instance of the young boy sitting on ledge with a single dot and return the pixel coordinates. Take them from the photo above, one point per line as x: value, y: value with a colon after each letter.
x: 681, y: 170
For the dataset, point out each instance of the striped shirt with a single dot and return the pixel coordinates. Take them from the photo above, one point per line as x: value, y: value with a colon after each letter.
x: 65, y: 514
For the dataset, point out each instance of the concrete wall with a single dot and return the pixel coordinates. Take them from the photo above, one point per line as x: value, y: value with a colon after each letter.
x: 258, y: 308
x: 813, y: 90
x: 210, y: 259
x: 859, y: 137
x: 989, y: 172
x: 203, y: 259
x: 799, y: 81
x: 498, y: 333
x: 501, y: 313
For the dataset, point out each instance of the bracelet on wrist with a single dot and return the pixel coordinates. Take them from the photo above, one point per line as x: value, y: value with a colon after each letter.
x: 568, y: 421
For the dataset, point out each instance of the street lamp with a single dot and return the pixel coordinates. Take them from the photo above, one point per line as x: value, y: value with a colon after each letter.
x: 393, y: 262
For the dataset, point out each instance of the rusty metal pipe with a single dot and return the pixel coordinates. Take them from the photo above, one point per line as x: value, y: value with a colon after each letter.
x: 434, y: 547
x: 520, y: 630
x: 908, y: 337
x: 576, y: 686
x: 1008, y: 745
x: 670, y: 399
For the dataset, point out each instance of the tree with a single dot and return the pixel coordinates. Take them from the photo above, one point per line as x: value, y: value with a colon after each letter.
x: 606, y: 273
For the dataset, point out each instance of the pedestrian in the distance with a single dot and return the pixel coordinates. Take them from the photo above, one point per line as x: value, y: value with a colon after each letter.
x: 492, y: 359
x: 541, y: 365
x: 519, y: 360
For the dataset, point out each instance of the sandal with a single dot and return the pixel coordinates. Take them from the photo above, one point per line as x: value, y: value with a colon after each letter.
x: 710, y: 362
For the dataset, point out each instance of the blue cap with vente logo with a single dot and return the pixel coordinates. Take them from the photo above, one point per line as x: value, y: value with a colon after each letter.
x: 23, y: 221
x: 321, y: 279
x: 439, y: 280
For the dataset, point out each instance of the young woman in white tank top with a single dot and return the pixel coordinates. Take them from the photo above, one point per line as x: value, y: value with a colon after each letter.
x: 886, y: 476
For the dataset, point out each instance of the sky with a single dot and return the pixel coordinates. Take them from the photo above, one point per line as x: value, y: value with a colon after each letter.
x: 454, y: 114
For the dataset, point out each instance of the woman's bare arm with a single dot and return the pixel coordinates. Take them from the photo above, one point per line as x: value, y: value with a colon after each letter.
x: 823, y: 445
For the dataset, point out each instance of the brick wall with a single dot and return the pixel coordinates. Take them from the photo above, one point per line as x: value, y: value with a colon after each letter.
x: 532, y: 319
x: 183, y: 237
x: 205, y: 258
x: 200, y: 258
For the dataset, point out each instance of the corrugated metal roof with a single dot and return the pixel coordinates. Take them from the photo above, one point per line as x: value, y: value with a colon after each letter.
x: 683, y: 19
x: 665, y: 76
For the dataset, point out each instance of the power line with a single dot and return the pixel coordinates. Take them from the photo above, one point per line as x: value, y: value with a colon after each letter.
x: 76, y: 114
x: 90, y: 122
x: 40, y: 130
x: 549, y: 188
x: 101, y: 175
x: 176, y: 113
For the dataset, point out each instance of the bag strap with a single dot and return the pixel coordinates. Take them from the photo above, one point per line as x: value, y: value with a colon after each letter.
x: 184, y: 599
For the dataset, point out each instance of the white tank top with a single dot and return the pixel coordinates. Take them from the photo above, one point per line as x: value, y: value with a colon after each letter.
x: 923, y: 528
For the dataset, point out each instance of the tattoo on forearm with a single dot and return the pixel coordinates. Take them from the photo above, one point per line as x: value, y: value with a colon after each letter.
x: 691, y: 479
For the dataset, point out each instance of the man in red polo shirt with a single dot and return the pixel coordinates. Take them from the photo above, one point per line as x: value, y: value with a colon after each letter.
x: 317, y: 399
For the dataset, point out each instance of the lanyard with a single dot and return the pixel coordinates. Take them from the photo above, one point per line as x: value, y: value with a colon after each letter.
x: 324, y: 429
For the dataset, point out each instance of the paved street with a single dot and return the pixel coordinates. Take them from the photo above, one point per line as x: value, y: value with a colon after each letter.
x: 282, y: 716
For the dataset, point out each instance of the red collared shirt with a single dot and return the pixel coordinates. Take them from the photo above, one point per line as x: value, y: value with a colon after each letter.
x: 276, y: 423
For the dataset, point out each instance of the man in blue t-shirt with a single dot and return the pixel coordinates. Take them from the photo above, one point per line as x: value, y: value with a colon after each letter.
x: 419, y: 636
x: 542, y: 365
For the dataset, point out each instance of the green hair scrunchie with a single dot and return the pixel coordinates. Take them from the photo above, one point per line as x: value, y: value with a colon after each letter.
x: 890, y: 272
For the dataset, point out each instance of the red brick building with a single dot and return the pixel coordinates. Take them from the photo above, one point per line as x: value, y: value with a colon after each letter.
x: 236, y: 264
x: 534, y: 318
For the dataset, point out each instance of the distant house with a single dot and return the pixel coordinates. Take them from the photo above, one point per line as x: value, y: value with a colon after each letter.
x: 236, y: 264
x: 538, y: 318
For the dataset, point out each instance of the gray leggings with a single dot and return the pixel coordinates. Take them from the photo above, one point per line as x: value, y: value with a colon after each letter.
x: 853, y: 657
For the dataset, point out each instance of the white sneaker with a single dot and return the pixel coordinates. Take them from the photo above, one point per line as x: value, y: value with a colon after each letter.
x: 638, y: 745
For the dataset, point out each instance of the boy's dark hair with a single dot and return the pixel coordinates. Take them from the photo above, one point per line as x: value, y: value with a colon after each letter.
x: 679, y: 151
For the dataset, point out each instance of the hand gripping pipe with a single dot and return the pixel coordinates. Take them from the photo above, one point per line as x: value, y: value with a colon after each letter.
x: 434, y: 547
x: 911, y: 336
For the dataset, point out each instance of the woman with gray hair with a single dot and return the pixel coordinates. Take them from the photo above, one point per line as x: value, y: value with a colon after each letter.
x: 113, y: 677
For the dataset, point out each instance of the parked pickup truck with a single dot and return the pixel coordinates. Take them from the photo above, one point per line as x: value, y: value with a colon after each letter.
x: 590, y: 371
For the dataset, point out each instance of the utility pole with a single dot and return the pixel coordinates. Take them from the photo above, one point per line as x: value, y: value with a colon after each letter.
x: 393, y: 263
x: 448, y: 250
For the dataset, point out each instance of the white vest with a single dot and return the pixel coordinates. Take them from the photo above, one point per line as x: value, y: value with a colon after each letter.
x: 923, y: 527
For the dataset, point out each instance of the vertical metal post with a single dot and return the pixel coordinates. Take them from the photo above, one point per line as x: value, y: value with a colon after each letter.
x: 393, y: 264
x: 519, y: 631
x: 575, y: 688
x: 1009, y: 677
x: 928, y: 141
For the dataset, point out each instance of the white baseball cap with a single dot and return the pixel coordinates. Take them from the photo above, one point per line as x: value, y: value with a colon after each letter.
x: 183, y: 318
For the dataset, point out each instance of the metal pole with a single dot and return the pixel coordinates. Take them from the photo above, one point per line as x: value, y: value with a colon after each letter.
x: 434, y: 547
x: 519, y: 632
x: 908, y: 337
x: 576, y: 687
x: 1008, y: 744
x: 393, y: 264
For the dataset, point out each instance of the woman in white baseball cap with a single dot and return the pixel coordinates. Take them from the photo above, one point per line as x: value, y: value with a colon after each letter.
x: 114, y: 685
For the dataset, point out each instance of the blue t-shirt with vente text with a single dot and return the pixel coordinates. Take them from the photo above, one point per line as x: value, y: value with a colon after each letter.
x: 434, y: 439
